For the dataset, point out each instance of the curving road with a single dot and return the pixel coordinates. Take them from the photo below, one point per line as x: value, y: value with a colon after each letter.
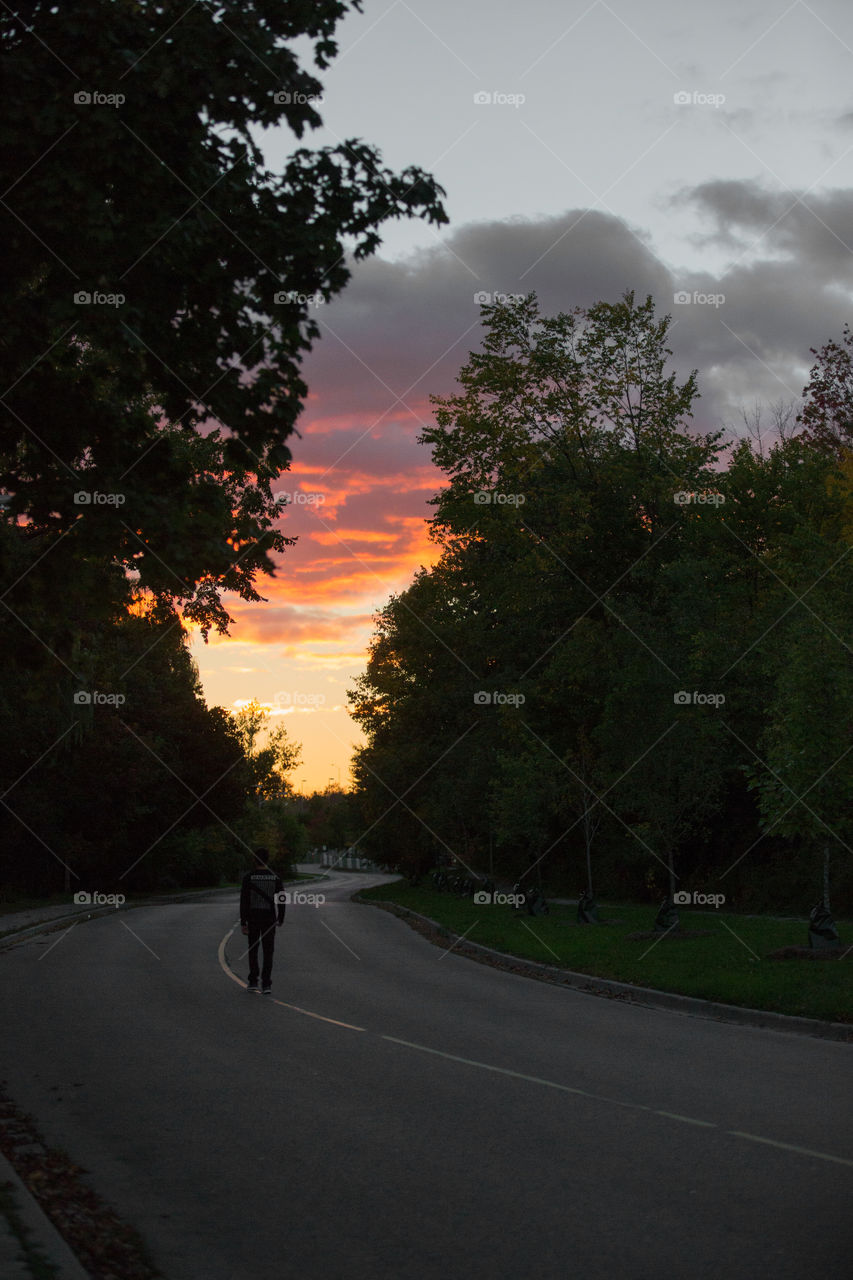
x: 396, y: 1110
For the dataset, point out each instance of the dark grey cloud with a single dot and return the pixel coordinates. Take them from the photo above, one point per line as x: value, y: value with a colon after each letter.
x: 402, y: 329
x: 788, y: 287
x: 814, y: 229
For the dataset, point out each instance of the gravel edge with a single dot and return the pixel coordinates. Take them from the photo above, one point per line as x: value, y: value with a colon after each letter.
x: 42, y: 1234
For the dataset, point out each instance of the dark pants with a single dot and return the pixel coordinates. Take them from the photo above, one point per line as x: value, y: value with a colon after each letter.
x: 262, y: 928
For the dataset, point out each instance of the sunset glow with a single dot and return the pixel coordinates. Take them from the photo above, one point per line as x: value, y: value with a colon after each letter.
x: 358, y: 506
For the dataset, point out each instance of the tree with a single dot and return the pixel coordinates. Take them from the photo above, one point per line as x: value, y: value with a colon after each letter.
x: 416, y: 705
x: 176, y: 300
x: 827, y: 415
x: 124, y: 776
x: 666, y: 619
x: 801, y: 770
x: 572, y: 385
x: 271, y: 762
x: 564, y: 449
x: 330, y: 818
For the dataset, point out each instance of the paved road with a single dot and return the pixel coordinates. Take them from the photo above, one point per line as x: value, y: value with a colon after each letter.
x: 435, y: 1118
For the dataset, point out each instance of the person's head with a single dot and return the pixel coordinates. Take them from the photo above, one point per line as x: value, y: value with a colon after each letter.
x: 261, y: 857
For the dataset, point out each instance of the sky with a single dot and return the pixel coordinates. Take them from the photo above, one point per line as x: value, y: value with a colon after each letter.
x: 703, y: 154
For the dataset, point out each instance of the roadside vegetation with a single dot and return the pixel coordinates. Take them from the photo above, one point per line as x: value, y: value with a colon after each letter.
x: 629, y: 670
x: 730, y: 965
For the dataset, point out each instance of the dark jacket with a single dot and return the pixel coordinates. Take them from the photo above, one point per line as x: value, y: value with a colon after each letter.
x: 258, y: 896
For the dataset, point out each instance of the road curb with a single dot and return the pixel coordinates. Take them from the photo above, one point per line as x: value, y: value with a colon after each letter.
x: 649, y: 997
x: 42, y: 1235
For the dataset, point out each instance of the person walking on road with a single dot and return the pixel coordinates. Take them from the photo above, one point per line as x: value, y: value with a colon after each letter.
x: 261, y: 912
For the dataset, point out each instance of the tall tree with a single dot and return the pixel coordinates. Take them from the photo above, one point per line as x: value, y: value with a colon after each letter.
x: 157, y: 273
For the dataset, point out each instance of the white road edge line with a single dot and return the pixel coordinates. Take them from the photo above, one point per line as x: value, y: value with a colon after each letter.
x: 549, y: 1084
x: 519, y: 1075
x: 790, y: 1146
x: 635, y: 1106
x: 240, y: 983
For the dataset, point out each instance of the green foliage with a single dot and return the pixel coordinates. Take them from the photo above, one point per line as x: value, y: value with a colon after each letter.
x: 123, y: 761
x: 270, y: 754
x: 276, y: 826
x: 662, y: 636
x: 132, y: 173
x: 331, y: 818
x: 157, y: 289
x: 142, y: 786
x: 801, y: 772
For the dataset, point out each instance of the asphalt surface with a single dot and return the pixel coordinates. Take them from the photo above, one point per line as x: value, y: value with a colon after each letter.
x: 396, y: 1110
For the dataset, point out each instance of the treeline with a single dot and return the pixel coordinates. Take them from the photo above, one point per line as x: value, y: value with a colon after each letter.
x: 151, y: 362
x: 630, y: 668
x: 331, y: 818
x: 116, y: 775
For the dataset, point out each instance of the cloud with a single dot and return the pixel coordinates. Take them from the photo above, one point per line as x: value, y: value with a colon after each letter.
x: 291, y: 626
x: 788, y: 288
x: 401, y: 331
x: 811, y: 231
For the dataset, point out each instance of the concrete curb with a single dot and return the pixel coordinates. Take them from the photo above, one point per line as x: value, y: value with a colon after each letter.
x: 649, y: 997
x: 42, y: 1235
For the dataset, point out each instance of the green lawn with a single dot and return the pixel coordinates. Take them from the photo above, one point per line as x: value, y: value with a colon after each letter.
x: 730, y: 966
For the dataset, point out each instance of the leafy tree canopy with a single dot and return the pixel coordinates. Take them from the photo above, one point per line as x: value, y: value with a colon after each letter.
x: 159, y: 280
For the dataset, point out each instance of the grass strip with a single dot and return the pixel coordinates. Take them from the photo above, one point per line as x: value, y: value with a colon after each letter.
x: 730, y: 965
